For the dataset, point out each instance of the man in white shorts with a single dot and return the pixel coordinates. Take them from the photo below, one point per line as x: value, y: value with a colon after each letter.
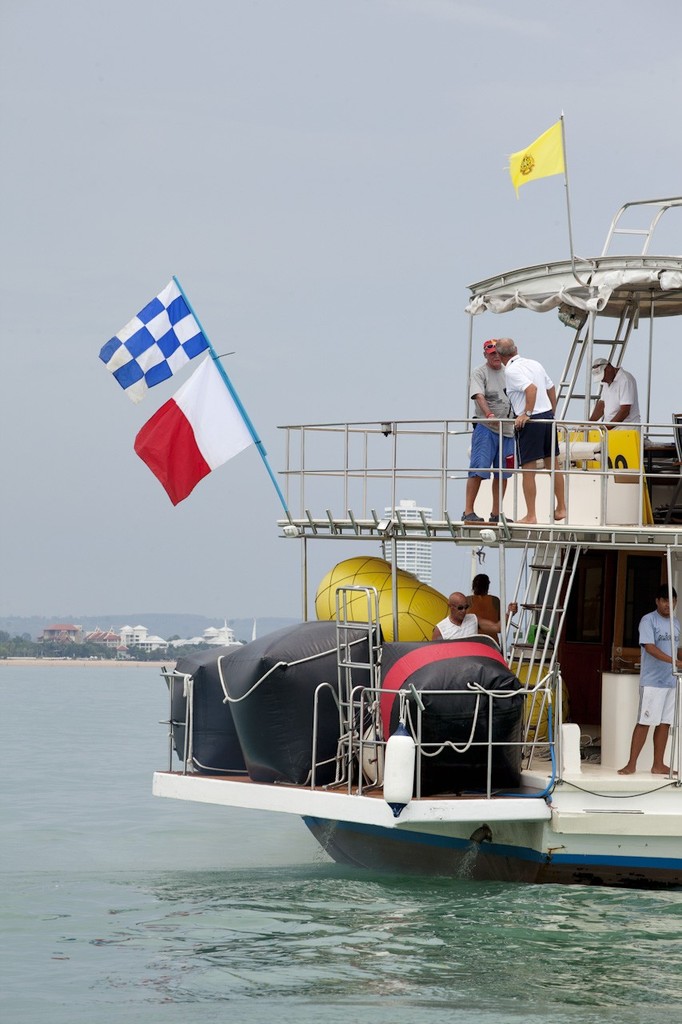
x: 656, y: 682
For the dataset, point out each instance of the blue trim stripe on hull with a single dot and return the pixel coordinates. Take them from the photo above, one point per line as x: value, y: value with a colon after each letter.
x: 426, y: 839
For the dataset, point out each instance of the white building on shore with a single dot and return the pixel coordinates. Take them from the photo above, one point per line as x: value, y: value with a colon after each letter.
x: 215, y: 636
x: 138, y: 636
x: 412, y: 555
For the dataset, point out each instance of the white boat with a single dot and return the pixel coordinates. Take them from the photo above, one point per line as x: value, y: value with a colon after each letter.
x: 581, y: 586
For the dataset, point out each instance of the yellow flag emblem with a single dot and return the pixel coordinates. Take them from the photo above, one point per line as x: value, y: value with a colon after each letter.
x: 541, y: 159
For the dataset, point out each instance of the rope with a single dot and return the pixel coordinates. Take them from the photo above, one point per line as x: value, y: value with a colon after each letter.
x: 277, y: 665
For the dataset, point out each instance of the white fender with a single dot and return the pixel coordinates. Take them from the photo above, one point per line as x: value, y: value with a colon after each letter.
x: 399, y: 770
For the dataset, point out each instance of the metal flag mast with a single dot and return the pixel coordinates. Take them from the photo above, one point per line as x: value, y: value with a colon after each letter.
x: 235, y: 397
x: 589, y: 340
x: 568, y: 201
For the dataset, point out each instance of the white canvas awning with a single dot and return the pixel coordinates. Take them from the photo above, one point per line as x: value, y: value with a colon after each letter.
x: 606, y: 285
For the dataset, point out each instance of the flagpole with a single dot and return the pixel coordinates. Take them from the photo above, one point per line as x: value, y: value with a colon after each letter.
x: 568, y: 201
x: 235, y: 397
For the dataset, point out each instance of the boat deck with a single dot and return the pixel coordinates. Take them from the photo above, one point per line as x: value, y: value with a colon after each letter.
x: 592, y: 779
x: 593, y: 802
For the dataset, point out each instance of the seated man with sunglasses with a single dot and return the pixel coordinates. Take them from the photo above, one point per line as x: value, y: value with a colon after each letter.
x: 458, y: 623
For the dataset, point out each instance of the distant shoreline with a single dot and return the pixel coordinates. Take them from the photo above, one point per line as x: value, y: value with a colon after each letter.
x: 87, y: 662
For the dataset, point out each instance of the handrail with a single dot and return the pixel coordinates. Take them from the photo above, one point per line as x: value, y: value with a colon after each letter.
x: 364, y: 703
x: 661, y: 206
x: 188, y: 724
x: 360, y: 469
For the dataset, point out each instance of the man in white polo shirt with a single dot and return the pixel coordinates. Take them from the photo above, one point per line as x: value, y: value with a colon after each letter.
x: 533, y: 398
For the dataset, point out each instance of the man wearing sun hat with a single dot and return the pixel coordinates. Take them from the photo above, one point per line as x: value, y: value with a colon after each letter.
x: 491, y: 405
x: 618, y: 403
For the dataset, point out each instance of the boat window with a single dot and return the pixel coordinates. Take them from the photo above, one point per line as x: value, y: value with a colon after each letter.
x: 642, y: 580
x: 584, y: 614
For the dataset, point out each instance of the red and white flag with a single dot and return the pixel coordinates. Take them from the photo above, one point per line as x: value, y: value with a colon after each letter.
x: 196, y: 431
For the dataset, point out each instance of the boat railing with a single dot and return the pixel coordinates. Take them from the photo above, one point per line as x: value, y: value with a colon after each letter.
x: 362, y: 747
x: 341, y: 759
x: 360, y: 756
x: 655, y: 208
x: 186, y: 723
x: 350, y: 479
x: 543, y: 718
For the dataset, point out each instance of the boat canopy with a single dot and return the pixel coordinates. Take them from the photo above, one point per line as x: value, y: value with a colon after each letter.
x: 608, y: 285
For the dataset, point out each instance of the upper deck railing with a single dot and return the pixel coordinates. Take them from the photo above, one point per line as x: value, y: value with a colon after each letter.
x: 345, y: 479
x: 654, y: 207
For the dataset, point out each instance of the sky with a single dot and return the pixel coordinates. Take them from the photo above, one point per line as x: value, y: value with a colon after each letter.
x: 325, y: 178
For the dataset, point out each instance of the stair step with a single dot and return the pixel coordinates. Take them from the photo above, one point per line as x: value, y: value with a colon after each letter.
x: 529, y: 647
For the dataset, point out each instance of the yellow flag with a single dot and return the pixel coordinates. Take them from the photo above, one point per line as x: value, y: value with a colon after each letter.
x: 541, y: 159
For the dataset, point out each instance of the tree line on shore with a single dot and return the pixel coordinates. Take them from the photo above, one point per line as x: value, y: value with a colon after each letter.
x: 24, y: 647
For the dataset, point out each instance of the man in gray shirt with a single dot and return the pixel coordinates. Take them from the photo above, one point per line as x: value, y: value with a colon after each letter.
x: 491, y: 404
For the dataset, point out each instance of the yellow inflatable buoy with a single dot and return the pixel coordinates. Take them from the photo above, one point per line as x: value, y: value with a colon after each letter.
x: 420, y: 607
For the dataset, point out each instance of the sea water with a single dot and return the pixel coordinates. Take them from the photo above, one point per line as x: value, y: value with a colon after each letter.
x: 118, y: 907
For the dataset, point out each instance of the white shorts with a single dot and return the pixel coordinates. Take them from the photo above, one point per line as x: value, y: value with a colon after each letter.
x: 656, y: 705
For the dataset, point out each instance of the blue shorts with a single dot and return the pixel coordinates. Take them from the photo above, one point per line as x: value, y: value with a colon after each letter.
x: 534, y: 441
x: 485, y: 453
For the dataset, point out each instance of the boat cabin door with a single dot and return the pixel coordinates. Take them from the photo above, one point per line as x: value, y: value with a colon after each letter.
x: 611, y: 592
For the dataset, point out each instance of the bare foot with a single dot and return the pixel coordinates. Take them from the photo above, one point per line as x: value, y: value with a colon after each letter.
x: 627, y: 770
x: 662, y: 769
x: 528, y: 520
x: 559, y: 514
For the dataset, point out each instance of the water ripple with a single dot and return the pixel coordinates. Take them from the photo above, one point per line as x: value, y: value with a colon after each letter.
x: 326, y: 933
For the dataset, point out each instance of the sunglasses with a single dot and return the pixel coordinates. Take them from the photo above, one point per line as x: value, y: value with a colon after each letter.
x: 459, y: 607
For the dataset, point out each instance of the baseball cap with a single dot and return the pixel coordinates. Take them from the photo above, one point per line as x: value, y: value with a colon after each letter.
x: 489, y: 345
x: 598, y: 368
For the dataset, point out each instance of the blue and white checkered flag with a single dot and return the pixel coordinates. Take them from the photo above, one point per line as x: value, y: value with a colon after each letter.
x: 155, y: 344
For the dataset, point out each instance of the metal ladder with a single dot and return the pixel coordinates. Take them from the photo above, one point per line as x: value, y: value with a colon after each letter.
x: 614, y: 348
x: 549, y: 570
x: 357, y: 619
x: 570, y: 388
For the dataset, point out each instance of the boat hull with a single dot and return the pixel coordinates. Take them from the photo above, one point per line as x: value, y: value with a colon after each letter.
x: 502, y: 840
x: 532, y: 858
